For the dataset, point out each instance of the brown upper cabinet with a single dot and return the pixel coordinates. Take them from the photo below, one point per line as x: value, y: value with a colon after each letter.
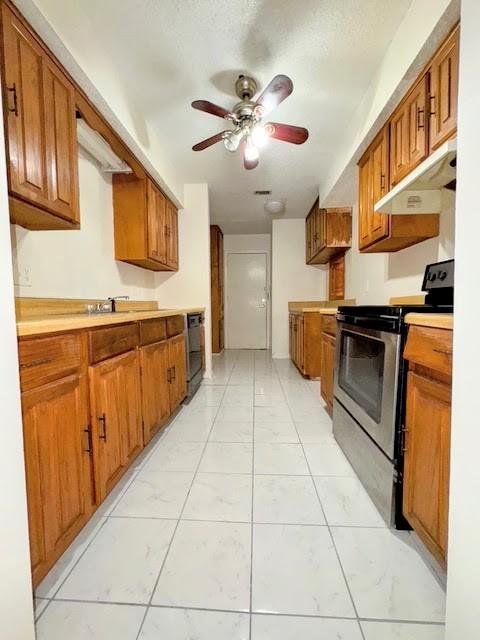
x: 443, y: 91
x: 217, y: 287
x: 145, y: 224
x: 40, y: 131
x: 424, y: 119
x: 328, y: 233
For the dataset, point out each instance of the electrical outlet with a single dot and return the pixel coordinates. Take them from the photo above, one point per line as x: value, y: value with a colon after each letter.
x: 367, y: 286
x: 23, y: 277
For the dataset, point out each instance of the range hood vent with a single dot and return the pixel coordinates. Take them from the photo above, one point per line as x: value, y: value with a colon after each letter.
x: 97, y: 147
x: 421, y: 190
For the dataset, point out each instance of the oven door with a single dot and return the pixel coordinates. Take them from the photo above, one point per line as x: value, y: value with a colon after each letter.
x: 366, y: 378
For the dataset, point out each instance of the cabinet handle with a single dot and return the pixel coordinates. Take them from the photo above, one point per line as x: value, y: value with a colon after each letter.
x: 13, y: 90
x: 169, y: 375
x: 382, y: 182
x: 432, y: 105
x: 103, y: 419
x: 420, y: 125
x: 88, y: 431
x: 174, y: 373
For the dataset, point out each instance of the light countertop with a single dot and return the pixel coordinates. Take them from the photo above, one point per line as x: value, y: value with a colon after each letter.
x: 71, y: 322
x: 435, y: 320
x: 331, y: 311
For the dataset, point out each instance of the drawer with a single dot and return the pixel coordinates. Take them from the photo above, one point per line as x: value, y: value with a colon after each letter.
x: 111, y: 341
x: 430, y: 348
x: 329, y: 325
x: 175, y: 325
x: 153, y: 330
x: 43, y: 360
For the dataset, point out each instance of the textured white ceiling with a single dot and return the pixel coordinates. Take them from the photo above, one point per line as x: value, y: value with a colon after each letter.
x: 166, y: 53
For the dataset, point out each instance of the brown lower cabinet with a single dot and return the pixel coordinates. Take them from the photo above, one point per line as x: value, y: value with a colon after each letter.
x: 85, y: 397
x: 327, y: 361
x: 427, y: 436
x: 304, y: 342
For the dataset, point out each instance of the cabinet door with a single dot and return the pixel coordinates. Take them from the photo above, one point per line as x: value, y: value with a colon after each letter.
x: 58, y: 467
x: 308, y: 237
x: 290, y: 335
x: 379, y: 224
x: 23, y: 93
x: 172, y: 236
x: 178, y: 372
x: 444, y: 91
x: 156, y: 224
x: 41, y: 129
x: 364, y: 201
x: 427, y: 461
x: 116, y: 418
x: 155, y: 393
x: 328, y: 367
x: 300, y: 352
x: 408, y: 139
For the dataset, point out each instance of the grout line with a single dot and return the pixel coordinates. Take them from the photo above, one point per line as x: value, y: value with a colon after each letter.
x: 176, y: 528
x: 329, y: 531
x: 251, y: 516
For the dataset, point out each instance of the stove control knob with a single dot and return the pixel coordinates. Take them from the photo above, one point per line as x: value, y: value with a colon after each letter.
x: 432, y: 276
x: 442, y: 275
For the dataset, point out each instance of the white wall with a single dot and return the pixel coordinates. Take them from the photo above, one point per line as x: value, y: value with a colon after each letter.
x: 190, y: 285
x: 249, y: 243
x: 375, y: 278
x: 79, y: 264
x: 463, y: 587
x: 292, y: 279
x: 16, y: 607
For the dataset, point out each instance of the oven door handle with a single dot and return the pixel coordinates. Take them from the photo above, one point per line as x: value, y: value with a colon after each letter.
x: 380, y: 324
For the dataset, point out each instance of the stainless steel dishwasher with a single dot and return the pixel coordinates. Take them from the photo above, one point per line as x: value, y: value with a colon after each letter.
x: 193, y: 332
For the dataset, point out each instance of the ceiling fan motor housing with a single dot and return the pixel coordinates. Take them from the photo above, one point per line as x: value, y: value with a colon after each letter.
x: 245, y: 87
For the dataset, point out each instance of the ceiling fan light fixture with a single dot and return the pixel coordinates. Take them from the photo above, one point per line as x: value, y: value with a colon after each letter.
x: 232, y: 141
x: 260, y: 136
x: 251, y: 151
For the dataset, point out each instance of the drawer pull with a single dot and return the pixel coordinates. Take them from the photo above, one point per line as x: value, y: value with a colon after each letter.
x: 88, y: 431
x: 103, y: 419
x: 174, y: 373
x: 35, y: 363
x: 444, y: 352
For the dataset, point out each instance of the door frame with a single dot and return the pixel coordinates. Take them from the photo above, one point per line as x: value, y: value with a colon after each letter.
x: 267, y: 255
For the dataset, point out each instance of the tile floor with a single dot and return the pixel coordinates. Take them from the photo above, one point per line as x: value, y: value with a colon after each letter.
x: 242, y: 521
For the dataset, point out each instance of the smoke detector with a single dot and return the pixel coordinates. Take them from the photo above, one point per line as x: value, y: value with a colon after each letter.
x: 275, y: 207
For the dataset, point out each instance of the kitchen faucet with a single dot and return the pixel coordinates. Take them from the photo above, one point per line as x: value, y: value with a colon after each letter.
x: 113, y: 300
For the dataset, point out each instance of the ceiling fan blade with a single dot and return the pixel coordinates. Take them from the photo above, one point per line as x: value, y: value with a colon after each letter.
x: 287, y: 132
x: 204, y: 144
x: 209, y: 107
x: 273, y: 94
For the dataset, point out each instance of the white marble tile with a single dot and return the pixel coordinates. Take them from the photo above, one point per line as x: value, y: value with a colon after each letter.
x: 175, y: 456
x: 219, y: 496
x: 208, y: 396
x: 275, y: 432
x: 273, y: 414
x: 238, y: 396
x: 39, y: 605
x: 155, y: 494
x: 309, y: 413
x: 208, y: 566
x: 402, y: 631
x: 89, y: 621
x: 190, y: 624
x: 231, y: 432
x: 315, y: 432
x: 192, y: 413
x: 387, y: 577
x: 60, y: 570
x: 235, y: 414
x: 286, y: 499
x: 227, y: 457
x: 280, y: 459
x: 296, y: 571
x: 270, y: 400
x: 122, y: 563
x: 346, y: 502
x: 298, y: 628
x: 190, y: 431
x: 327, y: 460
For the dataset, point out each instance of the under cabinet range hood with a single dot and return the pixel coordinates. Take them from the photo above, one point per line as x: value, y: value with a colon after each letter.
x: 421, y: 190
x: 96, y: 146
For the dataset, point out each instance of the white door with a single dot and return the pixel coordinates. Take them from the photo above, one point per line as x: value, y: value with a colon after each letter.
x: 246, y: 300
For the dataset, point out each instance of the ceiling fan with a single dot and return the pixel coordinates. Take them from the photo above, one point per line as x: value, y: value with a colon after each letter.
x: 249, y: 131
